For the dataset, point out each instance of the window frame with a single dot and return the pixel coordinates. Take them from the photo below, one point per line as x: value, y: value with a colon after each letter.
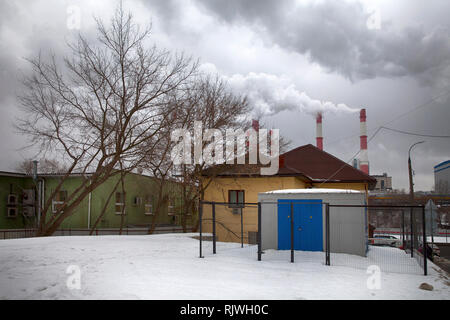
x: 236, y: 204
x: 148, y: 203
x: 121, y: 204
x: 171, y: 204
x: 56, y: 202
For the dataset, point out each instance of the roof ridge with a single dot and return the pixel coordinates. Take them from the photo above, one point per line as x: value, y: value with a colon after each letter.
x: 352, y: 167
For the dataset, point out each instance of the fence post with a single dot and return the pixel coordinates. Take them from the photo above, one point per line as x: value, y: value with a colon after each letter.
x: 424, y: 242
x: 200, y: 216
x: 242, y: 227
x: 327, y: 234
x: 292, y: 232
x: 259, y: 231
x: 403, y: 229
x: 411, y: 233
x: 214, y: 227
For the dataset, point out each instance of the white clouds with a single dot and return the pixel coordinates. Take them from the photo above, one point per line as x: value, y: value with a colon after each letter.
x: 335, y: 35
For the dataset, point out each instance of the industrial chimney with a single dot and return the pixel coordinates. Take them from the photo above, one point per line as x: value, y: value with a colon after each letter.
x: 319, y: 137
x: 363, y: 156
x: 255, y: 125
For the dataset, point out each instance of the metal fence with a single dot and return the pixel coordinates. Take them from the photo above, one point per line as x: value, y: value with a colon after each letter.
x: 401, y: 252
x: 29, y: 233
x: 351, y: 234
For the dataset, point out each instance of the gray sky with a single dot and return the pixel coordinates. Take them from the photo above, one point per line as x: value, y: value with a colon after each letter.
x: 293, y: 58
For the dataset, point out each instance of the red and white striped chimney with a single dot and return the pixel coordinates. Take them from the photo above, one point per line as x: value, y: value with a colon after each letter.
x: 319, y: 137
x: 363, y: 155
x: 255, y: 125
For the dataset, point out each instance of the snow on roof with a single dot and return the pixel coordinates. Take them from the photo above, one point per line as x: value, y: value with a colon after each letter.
x: 313, y: 190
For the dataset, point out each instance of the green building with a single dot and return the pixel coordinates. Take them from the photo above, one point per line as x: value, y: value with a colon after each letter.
x: 19, y: 197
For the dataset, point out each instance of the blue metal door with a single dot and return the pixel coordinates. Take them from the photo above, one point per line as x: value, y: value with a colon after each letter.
x: 308, y: 234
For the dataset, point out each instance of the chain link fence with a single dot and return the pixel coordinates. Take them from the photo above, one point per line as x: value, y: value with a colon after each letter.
x: 359, y: 236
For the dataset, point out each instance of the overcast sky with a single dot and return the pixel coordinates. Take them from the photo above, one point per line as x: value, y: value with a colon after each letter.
x: 291, y: 57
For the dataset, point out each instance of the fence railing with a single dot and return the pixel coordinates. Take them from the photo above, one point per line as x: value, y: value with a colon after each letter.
x: 29, y: 233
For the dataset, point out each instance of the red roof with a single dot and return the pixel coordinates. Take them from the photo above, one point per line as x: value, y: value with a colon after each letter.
x: 308, y: 162
x: 319, y: 166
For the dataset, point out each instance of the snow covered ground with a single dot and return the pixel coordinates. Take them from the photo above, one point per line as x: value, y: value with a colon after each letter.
x: 167, y: 266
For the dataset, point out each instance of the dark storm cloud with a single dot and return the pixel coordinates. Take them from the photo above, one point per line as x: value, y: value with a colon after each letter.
x: 335, y: 35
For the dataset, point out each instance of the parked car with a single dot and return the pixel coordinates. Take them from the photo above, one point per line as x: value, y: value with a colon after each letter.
x: 385, y: 240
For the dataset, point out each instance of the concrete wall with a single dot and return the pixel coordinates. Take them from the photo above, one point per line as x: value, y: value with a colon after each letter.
x: 348, y: 226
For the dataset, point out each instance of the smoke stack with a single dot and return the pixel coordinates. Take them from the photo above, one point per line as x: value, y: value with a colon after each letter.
x: 363, y: 156
x: 319, y: 137
x: 255, y: 125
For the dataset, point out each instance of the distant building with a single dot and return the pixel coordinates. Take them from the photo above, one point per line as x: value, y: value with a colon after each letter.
x: 384, y: 182
x: 442, y: 177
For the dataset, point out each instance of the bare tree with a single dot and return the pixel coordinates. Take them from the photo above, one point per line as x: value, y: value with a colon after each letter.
x: 104, y: 109
x: 209, y: 101
x: 44, y: 166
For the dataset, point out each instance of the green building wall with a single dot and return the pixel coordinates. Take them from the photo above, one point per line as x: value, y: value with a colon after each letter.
x: 135, y: 186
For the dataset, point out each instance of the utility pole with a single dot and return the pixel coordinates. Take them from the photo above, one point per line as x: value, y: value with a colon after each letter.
x: 414, y: 244
x: 411, y: 183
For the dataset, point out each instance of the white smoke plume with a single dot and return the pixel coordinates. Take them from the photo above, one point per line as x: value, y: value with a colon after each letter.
x: 269, y: 94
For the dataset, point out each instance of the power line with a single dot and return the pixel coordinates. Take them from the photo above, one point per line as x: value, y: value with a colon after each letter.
x: 433, y: 99
x: 415, y: 134
x: 373, y: 136
x: 354, y: 156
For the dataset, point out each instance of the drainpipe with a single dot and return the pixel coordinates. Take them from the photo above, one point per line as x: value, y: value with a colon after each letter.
x: 39, y: 192
x: 89, y: 208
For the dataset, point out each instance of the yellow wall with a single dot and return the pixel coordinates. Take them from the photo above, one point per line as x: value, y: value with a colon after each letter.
x: 228, y: 226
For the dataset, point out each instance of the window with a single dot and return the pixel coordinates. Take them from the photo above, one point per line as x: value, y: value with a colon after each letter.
x: 171, y: 207
x: 120, y: 203
x: 382, y: 184
x: 11, y: 212
x: 12, y: 199
x: 148, y: 207
x: 236, y: 198
x: 137, y: 201
x: 59, y: 201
